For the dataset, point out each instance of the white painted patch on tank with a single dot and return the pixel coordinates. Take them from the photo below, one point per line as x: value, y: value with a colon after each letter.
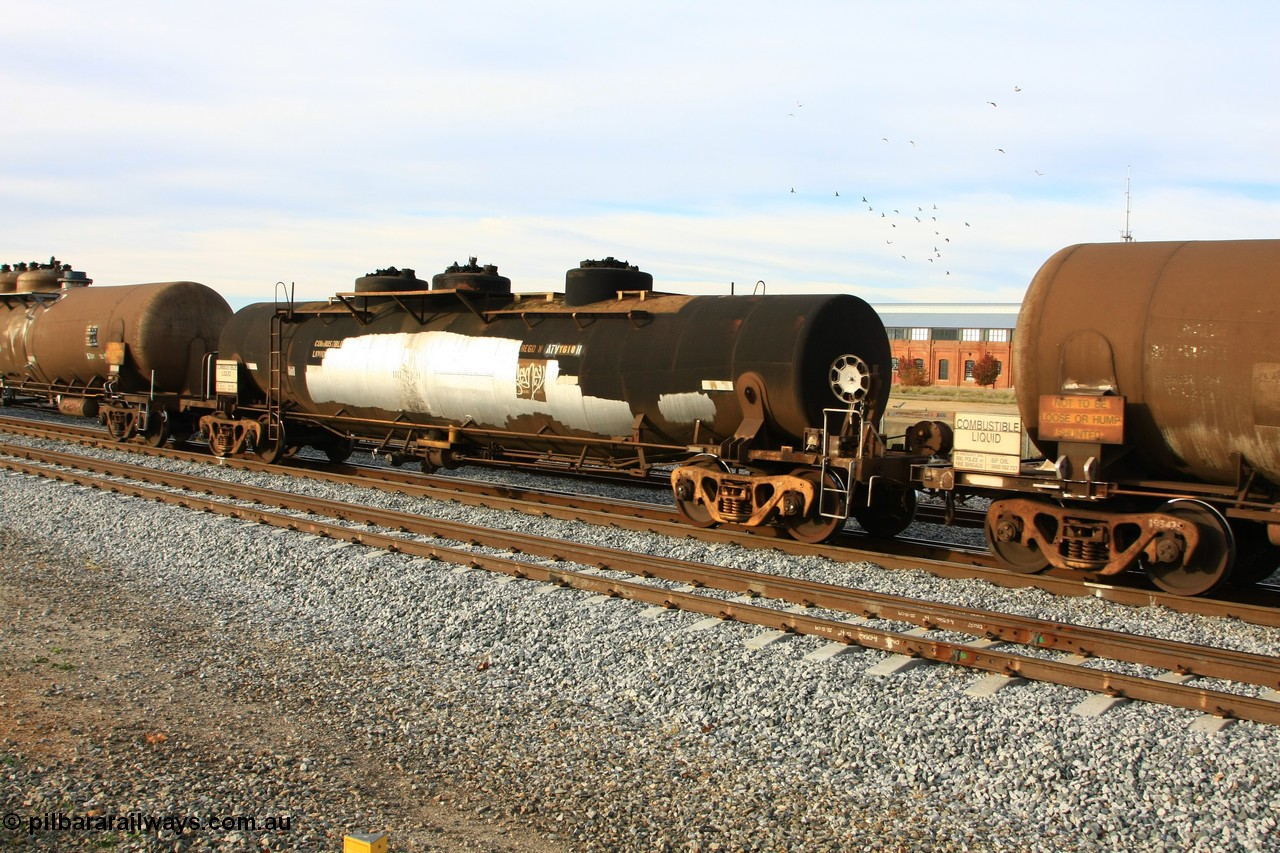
x: 452, y: 376
x: 687, y: 407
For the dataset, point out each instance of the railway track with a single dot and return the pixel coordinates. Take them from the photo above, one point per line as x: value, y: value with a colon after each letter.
x: 946, y: 633
x: 1257, y: 605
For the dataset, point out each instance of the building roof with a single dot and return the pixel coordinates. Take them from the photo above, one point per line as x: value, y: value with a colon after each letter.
x: 934, y: 315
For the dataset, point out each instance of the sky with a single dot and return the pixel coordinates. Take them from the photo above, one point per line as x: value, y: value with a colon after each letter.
x: 904, y: 152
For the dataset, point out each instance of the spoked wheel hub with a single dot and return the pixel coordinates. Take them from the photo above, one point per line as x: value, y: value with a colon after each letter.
x: 850, y: 379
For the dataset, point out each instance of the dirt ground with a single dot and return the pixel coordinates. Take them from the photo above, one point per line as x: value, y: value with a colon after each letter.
x: 101, y: 713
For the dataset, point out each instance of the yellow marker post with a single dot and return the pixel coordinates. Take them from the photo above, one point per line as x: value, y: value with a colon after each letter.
x: 365, y: 842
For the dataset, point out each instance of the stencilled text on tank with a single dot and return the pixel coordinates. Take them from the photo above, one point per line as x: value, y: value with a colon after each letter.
x: 320, y: 347
x: 552, y: 350
x: 1188, y: 364
x: 1199, y: 340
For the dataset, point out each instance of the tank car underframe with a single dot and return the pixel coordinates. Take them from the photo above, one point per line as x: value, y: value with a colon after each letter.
x: 147, y: 416
x: 230, y: 436
x: 706, y: 493
x: 1025, y: 533
x: 42, y: 393
x: 446, y: 445
x: 812, y: 502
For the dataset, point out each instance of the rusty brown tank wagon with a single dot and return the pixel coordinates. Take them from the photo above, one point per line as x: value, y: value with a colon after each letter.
x: 740, y: 393
x: 1149, y: 377
x: 125, y: 352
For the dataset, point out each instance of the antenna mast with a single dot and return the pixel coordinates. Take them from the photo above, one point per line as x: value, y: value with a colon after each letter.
x: 1126, y: 234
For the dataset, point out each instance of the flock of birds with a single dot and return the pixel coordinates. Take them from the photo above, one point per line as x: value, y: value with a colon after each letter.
x: 922, y: 231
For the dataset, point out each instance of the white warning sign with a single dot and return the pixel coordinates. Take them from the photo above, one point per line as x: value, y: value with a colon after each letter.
x: 987, y: 442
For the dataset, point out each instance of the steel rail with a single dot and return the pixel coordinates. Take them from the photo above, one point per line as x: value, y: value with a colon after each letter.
x: 1248, y: 605
x: 1169, y: 655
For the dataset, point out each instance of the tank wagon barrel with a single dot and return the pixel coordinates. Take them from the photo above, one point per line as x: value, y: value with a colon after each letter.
x: 662, y: 365
x: 1149, y: 377
x: 1188, y: 338
x: 83, y: 345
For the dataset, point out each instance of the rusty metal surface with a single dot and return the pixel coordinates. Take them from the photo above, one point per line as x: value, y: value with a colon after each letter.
x: 1075, y: 537
x: 1185, y: 331
x: 38, y: 277
x: 165, y: 327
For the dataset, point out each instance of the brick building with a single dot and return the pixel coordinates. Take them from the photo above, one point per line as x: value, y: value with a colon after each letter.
x: 946, y: 340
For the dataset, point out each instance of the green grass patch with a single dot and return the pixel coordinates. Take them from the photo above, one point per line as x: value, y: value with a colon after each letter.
x: 936, y: 393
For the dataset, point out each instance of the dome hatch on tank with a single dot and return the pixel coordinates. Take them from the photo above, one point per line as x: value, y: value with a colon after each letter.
x: 597, y: 281
x: 389, y: 280
x: 473, y: 276
x: 41, y: 278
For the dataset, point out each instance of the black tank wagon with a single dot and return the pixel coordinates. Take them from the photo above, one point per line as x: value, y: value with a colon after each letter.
x: 608, y: 374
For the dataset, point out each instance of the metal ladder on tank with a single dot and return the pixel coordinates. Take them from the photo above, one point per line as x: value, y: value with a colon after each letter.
x: 831, y: 499
x: 275, y: 381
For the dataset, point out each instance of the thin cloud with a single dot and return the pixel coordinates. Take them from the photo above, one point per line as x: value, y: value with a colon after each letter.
x: 248, y: 144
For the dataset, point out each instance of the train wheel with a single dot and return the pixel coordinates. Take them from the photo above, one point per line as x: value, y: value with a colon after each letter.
x: 1211, y: 564
x: 1004, y: 538
x: 892, y: 510
x: 690, y: 509
x: 271, y: 451
x: 338, y: 449
x: 157, y: 431
x: 814, y: 527
x: 1256, y: 558
x: 181, y: 429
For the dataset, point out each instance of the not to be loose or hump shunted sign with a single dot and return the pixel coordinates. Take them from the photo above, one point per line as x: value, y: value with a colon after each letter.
x: 1079, y: 417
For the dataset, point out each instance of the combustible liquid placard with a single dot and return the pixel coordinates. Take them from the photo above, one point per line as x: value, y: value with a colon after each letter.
x: 987, y: 442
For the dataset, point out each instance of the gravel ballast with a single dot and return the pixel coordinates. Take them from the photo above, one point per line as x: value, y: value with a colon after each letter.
x: 454, y: 709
